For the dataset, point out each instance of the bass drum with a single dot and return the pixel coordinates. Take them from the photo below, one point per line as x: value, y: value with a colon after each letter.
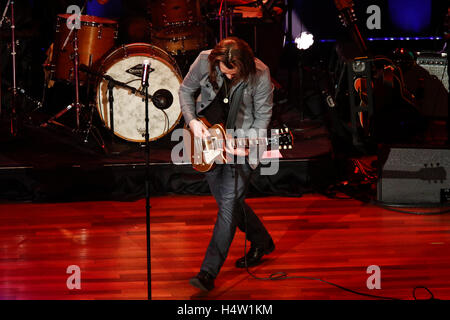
x: 125, y: 65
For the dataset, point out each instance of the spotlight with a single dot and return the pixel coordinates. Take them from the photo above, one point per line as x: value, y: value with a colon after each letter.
x: 304, y: 40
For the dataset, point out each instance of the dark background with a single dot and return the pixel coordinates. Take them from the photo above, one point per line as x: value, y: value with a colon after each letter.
x: 35, y: 27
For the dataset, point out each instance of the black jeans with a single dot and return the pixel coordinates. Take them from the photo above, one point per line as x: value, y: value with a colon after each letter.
x: 229, y: 191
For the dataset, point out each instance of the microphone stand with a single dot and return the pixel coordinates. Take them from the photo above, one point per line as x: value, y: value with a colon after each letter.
x: 114, y: 83
x: 147, y: 191
x: 160, y: 102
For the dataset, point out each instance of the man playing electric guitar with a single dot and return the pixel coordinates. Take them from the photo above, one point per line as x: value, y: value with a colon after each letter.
x: 235, y: 89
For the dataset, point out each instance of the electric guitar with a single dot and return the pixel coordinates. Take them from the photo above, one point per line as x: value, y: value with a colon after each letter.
x: 390, y: 73
x: 348, y: 19
x: 387, y: 83
x: 205, y: 153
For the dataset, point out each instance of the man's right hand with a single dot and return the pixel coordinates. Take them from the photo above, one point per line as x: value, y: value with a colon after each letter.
x: 199, y: 129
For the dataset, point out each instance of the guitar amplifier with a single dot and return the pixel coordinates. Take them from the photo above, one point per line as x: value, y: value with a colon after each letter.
x: 414, y: 175
x: 436, y: 64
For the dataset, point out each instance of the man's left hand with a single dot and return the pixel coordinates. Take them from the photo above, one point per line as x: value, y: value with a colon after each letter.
x: 230, y: 149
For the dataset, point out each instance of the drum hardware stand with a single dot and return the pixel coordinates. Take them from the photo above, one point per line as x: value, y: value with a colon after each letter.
x: 10, y: 4
x: 223, y: 19
x: 111, y: 105
x: 76, y: 62
x: 90, y: 128
x: 1, y: 24
x: 77, y: 103
x: 1, y: 114
x: 290, y: 49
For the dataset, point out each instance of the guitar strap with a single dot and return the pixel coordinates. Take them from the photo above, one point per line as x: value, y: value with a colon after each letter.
x: 234, y: 107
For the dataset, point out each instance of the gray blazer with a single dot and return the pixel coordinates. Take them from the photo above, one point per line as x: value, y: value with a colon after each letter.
x: 255, y: 110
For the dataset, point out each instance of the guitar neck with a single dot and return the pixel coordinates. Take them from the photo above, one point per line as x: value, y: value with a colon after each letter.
x: 348, y: 17
x: 282, y: 138
x: 248, y: 142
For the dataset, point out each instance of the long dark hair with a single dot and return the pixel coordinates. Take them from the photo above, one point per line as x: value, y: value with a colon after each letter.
x: 234, y: 53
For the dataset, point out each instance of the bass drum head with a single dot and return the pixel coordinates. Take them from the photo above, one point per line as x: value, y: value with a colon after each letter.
x: 125, y: 65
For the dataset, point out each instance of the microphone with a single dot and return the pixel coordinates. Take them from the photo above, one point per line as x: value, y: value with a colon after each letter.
x: 162, y: 99
x: 145, y: 72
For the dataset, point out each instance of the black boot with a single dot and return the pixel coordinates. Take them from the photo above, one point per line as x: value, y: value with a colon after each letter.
x: 254, y: 255
x: 203, y: 280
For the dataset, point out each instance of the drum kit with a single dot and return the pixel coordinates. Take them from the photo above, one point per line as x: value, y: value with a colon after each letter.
x: 87, y: 57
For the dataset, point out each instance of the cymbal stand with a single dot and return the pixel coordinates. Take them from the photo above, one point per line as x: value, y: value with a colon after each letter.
x: 223, y: 19
x: 90, y: 127
x: 14, y: 87
x: 77, y: 103
x: 10, y: 4
x: 76, y: 63
x: 1, y: 24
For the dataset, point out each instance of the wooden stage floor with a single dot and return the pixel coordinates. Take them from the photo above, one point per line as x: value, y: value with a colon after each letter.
x: 335, y: 240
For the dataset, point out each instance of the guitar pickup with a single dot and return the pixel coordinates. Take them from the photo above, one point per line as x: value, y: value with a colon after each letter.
x: 210, y: 155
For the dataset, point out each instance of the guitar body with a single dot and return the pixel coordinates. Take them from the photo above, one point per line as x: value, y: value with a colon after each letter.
x: 204, y: 154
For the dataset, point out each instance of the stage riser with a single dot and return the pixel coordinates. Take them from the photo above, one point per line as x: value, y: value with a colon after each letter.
x: 126, y: 182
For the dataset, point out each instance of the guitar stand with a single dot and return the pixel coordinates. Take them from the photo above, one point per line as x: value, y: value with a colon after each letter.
x: 360, y: 68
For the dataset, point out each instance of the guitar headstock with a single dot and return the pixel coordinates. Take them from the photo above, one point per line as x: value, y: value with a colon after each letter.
x: 433, y: 173
x: 285, y: 138
x: 347, y: 13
